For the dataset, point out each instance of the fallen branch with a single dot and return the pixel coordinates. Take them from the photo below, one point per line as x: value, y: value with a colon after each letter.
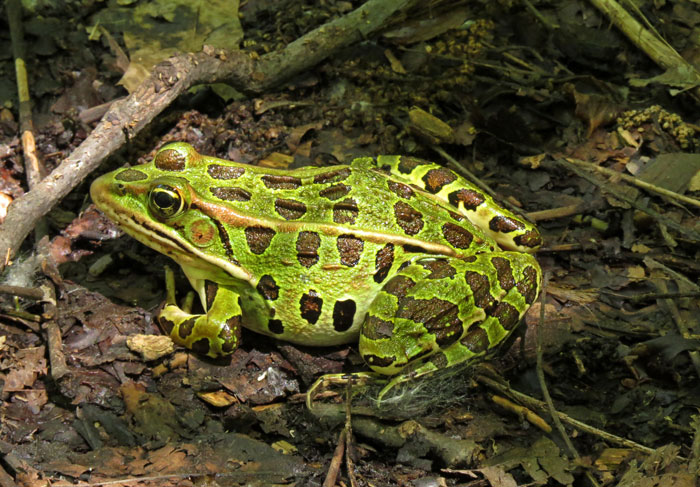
x: 171, y: 78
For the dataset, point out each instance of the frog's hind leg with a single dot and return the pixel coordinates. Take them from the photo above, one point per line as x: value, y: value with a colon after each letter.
x: 439, y: 312
x: 452, y: 190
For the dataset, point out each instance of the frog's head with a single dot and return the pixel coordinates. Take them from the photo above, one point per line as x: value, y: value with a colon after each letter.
x: 159, y: 204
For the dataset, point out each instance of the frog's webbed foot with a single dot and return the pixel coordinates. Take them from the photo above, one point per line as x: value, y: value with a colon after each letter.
x: 215, y: 333
x: 357, y: 379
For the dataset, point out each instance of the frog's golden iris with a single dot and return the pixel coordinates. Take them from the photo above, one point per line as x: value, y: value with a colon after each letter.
x: 401, y: 254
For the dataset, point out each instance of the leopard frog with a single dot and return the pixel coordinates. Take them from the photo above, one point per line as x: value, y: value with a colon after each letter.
x: 406, y: 258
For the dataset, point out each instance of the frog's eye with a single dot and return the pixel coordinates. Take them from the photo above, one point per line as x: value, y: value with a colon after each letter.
x: 165, y: 202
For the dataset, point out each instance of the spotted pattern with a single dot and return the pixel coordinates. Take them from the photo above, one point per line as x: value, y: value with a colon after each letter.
x: 218, y: 171
x: 504, y: 224
x: 201, y: 346
x: 409, y: 219
x: 408, y: 164
x: 377, y: 361
x: 350, y: 249
x: 334, y: 192
x: 186, y: 327
x: 210, y: 289
x: 481, y: 289
x: 343, y: 315
x: 457, y: 236
x: 131, y: 175
x: 504, y: 272
x: 275, y: 326
x: 230, y: 334
x: 376, y: 328
x: 529, y: 284
x: 506, y: 314
x: 400, y: 189
x: 439, y: 268
x: 399, y: 285
x: 310, y: 306
x: 230, y: 193
x: 290, y: 209
x: 308, y: 244
x: 332, y: 176
x: 530, y: 239
x: 268, y: 288
x: 476, y: 340
x: 346, y: 211
x: 281, y: 182
x: 170, y: 160
x: 258, y: 238
x: 383, y: 262
x: 436, y: 179
x: 468, y: 197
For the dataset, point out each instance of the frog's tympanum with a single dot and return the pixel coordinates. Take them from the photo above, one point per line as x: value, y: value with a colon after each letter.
x: 403, y: 256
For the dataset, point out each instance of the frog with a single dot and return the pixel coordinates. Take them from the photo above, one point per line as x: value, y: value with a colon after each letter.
x: 415, y: 264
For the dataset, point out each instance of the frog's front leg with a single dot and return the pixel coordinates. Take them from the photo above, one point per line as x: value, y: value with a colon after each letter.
x: 216, y: 332
x: 438, y: 312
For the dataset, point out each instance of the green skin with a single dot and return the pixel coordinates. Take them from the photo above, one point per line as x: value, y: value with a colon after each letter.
x: 406, y: 255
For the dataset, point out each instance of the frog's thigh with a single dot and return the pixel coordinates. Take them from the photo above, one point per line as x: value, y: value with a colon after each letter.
x: 439, y: 312
x: 215, y: 333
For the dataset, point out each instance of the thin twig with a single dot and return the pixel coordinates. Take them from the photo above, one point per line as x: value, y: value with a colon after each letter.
x: 579, y: 425
x: 688, y: 232
x: 636, y: 181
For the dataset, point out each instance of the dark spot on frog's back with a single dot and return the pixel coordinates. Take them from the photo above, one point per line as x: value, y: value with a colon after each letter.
x: 219, y: 171
x: 409, y: 219
x: 457, y: 236
x: 439, y: 360
x: 131, y: 175
x: 439, y: 268
x: 170, y: 160
x: 332, y: 176
x: 383, y: 262
x: 350, y: 249
x: 259, y: 238
x: 343, y: 315
x: 201, y: 346
x: 436, y: 179
x: 290, y: 209
x: 408, y: 164
x: 281, y: 181
x: 334, y: 192
x: 268, y: 288
x: 346, y: 211
x: 230, y: 193
x: 400, y: 189
x: 468, y: 197
x: 310, y: 306
x: 308, y: 244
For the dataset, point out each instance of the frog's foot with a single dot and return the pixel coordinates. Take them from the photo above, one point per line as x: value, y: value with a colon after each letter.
x: 357, y: 378
x: 215, y: 333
